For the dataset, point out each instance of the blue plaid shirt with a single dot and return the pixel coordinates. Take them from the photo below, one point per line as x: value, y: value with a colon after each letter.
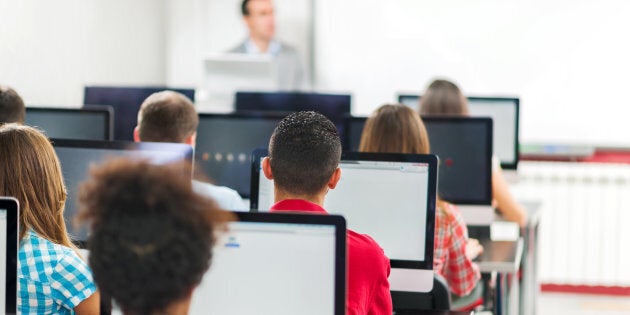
x: 52, y: 279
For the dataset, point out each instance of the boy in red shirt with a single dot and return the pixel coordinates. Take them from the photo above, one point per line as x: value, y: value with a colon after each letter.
x: 304, y: 154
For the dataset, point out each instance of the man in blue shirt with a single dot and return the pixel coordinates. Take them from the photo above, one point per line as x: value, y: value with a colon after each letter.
x: 259, y: 17
x: 169, y: 116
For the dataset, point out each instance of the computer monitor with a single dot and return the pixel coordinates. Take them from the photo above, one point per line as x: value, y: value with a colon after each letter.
x: 225, y: 74
x: 126, y: 102
x: 464, y: 146
x: 280, y: 264
x: 225, y: 143
x: 88, y: 123
x: 334, y: 106
x: 504, y: 111
x: 76, y: 157
x: 390, y: 197
x: 9, y: 216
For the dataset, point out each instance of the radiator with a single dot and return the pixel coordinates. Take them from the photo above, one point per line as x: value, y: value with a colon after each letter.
x: 585, y: 225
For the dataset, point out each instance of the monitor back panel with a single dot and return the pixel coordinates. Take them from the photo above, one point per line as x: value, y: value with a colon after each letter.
x: 464, y: 147
x: 126, y: 102
x: 334, y: 106
x: 94, y: 123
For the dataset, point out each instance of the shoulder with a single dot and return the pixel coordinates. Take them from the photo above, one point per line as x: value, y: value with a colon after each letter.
x: 449, y: 213
x: 239, y: 49
x: 39, y: 258
x: 365, y: 248
x: 226, y: 197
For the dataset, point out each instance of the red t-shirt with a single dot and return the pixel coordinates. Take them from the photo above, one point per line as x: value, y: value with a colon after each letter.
x: 368, y: 267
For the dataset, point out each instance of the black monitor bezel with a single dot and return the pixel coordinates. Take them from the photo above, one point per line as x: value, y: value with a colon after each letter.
x: 340, y: 243
x: 430, y: 159
x: 90, y: 90
x: 347, y: 109
x: 11, y: 205
x: 515, y: 100
x: 103, y: 109
x: 251, y: 115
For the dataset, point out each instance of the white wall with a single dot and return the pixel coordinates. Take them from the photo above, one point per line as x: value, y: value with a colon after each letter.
x: 50, y: 49
x: 566, y: 59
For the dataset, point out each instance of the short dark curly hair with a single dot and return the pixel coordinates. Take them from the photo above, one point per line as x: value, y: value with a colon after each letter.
x: 151, y: 236
x: 304, y: 152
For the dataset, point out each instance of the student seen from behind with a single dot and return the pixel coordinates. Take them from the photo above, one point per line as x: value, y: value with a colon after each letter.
x: 151, y: 235
x: 52, y: 277
x: 169, y: 116
x: 443, y: 97
x: 12, y: 109
x: 399, y: 129
x: 304, y: 154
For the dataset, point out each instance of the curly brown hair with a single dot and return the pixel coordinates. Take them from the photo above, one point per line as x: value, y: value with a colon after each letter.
x: 151, y: 235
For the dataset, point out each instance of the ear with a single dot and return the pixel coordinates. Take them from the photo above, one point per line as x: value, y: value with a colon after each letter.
x: 136, y: 134
x: 191, y: 140
x: 266, y: 168
x: 334, y: 179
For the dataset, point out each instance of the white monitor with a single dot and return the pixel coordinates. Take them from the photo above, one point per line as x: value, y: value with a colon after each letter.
x: 504, y: 112
x: 8, y: 254
x: 390, y: 197
x: 281, y: 264
x: 225, y: 74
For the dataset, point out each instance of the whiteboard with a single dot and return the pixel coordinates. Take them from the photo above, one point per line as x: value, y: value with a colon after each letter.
x: 568, y: 60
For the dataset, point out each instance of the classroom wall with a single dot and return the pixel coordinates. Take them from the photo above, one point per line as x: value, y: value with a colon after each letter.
x: 50, y: 49
x: 566, y: 59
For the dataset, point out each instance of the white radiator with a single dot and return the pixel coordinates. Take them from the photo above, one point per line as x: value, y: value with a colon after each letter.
x: 585, y: 225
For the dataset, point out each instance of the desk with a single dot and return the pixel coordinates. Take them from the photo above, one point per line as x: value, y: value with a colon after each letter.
x: 529, y: 288
x: 442, y: 313
x: 504, y: 258
x: 529, y: 265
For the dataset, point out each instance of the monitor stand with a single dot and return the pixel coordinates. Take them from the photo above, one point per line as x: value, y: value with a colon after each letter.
x: 411, y: 280
x: 477, y: 214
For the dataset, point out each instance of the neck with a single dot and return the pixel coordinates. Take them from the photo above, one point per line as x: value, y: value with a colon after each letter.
x: 261, y: 43
x: 317, y: 199
x: 179, y: 307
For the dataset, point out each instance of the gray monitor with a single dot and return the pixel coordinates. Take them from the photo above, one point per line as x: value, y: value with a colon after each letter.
x: 504, y: 112
x: 88, y: 123
x: 76, y: 157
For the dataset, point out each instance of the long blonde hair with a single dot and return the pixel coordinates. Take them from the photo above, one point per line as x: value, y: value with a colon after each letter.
x: 30, y: 172
x: 394, y: 129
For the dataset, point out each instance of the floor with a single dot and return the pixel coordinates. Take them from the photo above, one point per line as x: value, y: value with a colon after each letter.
x: 574, y: 304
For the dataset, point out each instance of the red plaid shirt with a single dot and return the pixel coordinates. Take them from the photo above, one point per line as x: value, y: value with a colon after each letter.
x: 449, y: 258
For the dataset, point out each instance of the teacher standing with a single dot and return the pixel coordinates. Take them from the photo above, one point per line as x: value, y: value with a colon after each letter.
x: 259, y: 18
